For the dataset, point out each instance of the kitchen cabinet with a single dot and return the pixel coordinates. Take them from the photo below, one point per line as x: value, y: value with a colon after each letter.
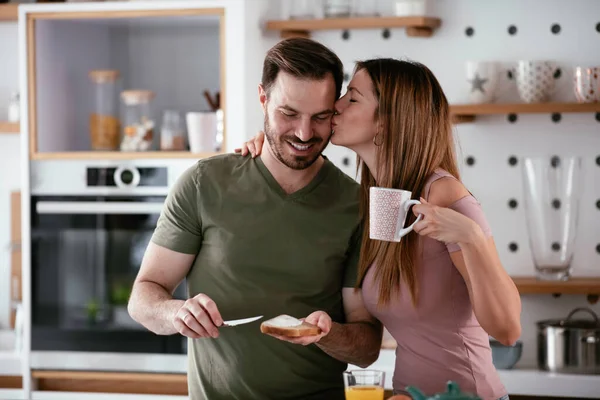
x: 176, y: 50
x: 111, y: 382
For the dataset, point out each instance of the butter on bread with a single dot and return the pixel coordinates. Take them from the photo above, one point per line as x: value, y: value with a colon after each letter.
x: 285, y: 325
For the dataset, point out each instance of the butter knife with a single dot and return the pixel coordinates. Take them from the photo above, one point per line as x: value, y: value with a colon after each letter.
x: 235, y: 322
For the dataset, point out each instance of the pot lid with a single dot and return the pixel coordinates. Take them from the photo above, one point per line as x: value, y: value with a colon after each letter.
x: 570, y: 322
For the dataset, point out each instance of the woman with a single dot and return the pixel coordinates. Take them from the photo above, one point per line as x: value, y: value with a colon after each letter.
x: 441, y: 290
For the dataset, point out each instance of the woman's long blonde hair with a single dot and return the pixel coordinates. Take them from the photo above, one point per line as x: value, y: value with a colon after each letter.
x: 415, y: 138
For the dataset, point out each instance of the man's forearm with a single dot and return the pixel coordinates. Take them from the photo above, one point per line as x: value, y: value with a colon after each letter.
x: 356, y: 343
x: 153, y: 307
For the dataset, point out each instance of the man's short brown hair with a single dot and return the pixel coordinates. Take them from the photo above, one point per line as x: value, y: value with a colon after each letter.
x: 304, y: 59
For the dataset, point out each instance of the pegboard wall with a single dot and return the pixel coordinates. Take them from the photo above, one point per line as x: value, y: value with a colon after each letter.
x: 491, y: 147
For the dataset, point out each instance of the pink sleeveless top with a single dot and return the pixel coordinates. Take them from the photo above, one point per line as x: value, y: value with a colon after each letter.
x: 440, y: 339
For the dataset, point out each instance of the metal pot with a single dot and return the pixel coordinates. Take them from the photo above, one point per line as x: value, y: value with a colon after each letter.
x: 570, y: 345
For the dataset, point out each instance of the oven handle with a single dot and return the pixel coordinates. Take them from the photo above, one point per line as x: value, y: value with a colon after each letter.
x: 93, y: 207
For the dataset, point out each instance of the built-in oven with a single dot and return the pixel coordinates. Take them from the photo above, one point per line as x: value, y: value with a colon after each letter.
x: 90, y: 225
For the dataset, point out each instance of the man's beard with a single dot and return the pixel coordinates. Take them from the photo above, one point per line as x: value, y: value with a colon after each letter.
x: 278, y: 145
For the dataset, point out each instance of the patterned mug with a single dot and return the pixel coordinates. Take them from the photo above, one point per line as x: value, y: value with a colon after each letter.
x: 535, y: 80
x: 387, y: 212
x: 587, y: 84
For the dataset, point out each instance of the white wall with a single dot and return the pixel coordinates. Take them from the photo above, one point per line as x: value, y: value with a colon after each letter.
x: 490, y: 140
x: 256, y: 45
x: 9, y: 158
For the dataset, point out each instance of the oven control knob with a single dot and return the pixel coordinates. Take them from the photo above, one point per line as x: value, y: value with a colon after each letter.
x: 127, y: 177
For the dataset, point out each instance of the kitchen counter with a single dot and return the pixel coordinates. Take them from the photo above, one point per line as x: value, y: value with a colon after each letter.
x: 526, y: 382
x: 518, y: 381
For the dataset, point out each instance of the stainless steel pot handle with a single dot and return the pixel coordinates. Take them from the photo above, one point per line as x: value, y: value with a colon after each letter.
x: 586, y: 310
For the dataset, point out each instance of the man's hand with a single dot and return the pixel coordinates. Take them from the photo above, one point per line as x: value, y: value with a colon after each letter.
x: 318, y: 318
x: 199, y: 317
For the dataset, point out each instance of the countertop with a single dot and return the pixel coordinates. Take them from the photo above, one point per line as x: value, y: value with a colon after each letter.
x: 520, y: 381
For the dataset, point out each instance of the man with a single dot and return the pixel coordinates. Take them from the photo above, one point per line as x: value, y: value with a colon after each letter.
x: 278, y: 234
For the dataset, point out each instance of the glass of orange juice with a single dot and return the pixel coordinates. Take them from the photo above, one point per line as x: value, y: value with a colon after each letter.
x: 364, y: 384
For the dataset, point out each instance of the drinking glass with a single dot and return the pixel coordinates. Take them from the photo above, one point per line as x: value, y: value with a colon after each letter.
x: 364, y: 384
x: 302, y: 9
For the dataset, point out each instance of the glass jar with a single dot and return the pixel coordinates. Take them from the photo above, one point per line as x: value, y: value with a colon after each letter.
x: 302, y: 9
x: 104, y: 121
x: 337, y: 8
x: 138, y: 124
x: 362, y: 8
x: 14, y: 113
x: 172, y: 137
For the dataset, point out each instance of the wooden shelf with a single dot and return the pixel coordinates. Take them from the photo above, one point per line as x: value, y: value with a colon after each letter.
x: 9, y: 12
x: 9, y: 127
x: 415, y: 26
x: 111, y: 382
x: 11, y: 382
x: 118, y: 155
x: 531, y: 285
x: 468, y: 112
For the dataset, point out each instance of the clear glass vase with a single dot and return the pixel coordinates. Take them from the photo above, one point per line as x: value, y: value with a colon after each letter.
x: 552, y: 192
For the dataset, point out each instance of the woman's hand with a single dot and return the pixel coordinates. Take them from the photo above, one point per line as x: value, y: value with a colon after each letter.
x: 445, y: 224
x: 254, y: 145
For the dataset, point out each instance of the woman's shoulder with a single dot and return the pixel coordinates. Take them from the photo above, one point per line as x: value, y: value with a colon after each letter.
x: 444, y: 189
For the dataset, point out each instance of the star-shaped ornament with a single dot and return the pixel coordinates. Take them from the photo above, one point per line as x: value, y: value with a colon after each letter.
x: 477, y: 83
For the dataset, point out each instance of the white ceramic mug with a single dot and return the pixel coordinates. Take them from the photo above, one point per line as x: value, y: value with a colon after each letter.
x: 387, y: 213
x: 410, y: 8
x: 482, y: 80
x: 202, y: 131
x: 587, y: 84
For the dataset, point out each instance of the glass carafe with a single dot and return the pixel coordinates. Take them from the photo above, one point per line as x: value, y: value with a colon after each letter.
x: 552, y: 191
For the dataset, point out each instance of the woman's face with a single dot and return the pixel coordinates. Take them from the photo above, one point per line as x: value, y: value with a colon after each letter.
x: 355, y: 124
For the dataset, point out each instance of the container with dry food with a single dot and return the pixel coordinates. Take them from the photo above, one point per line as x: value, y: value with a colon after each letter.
x: 138, y: 123
x: 104, y: 121
x: 172, y: 136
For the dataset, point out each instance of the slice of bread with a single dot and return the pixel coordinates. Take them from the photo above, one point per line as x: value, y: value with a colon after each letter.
x: 284, y: 325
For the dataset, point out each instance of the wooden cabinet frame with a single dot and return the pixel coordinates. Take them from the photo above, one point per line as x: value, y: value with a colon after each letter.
x: 31, y: 20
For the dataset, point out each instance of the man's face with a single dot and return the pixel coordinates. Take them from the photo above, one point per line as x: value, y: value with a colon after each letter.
x: 298, y: 118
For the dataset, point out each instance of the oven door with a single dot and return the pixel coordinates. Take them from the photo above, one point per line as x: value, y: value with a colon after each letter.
x: 86, y: 252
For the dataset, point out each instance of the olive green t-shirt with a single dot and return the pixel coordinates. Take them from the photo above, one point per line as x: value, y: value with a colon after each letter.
x: 261, y: 251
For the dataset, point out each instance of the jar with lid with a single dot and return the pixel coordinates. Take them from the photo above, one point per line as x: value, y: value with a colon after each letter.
x: 337, y: 8
x: 172, y: 137
x: 104, y: 121
x: 14, y: 113
x: 138, y: 124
